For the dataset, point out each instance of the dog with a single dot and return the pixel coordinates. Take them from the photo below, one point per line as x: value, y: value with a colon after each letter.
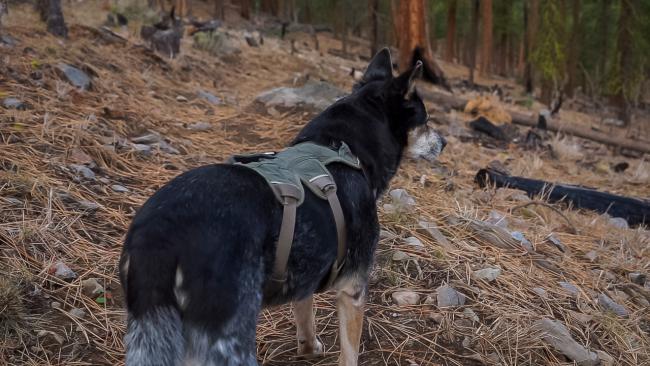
x: 199, y: 252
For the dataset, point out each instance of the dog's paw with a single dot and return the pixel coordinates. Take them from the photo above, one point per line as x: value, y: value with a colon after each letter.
x: 312, y: 349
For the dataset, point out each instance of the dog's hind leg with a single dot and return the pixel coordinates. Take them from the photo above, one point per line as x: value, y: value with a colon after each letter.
x: 308, y: 343
x: 351, y: 298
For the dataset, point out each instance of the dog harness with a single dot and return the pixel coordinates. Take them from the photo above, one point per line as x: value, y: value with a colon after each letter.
x: 287, y: 173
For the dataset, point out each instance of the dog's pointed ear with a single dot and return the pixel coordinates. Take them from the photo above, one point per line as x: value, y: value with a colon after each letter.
x: 405, y: 83
x: 380, y: 67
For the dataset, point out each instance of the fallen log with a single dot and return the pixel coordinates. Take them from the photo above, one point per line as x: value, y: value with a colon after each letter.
x: 635, y: 211
x: 525, y: 119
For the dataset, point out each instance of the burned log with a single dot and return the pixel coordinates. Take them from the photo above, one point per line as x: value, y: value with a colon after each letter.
x: 635, y: 211
x: 483, y: 125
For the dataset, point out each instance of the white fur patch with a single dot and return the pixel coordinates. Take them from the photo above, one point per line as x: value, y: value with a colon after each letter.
x: 424, y: 143
x: 155, y: 339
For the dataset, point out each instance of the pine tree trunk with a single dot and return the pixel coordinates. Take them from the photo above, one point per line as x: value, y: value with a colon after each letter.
x: 604, y: 20
x: 625, y: 62
x: 573, y: 49
x: 219, y: 9
x: 486, y: 35
x: 473, y: 37
x: 50, y: 12
x: 531, y: 22
x: 373, y: 12
x: 245, y: 7
x: 451, y: 30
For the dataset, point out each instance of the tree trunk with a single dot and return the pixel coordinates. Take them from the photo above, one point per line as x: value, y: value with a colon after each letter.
x: 451, y: 30
x: 50, y: 12
x: 473, y: 37
x: 373, y: 10
x: 413, y: 42
x: 220, y: 9
x: 486, y: 35
x: 604, y: 20
x: 245, y: 7
x: 573, y: 49
x: 625, y: 62
x: 531, y: 22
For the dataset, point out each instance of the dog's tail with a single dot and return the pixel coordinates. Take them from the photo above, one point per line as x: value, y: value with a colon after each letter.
x: 154, y: 326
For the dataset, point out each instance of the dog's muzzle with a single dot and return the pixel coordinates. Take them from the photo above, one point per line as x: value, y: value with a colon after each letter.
x: 425, y: 143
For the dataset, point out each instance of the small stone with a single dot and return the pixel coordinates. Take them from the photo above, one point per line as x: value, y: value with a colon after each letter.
x: 447, y: 296
x: 517, y: 235
x: 605, y: 359
x: 55, y: 305
x: 488, y: 274
x: 209, y: 97
x: 399, y: 256
x: 540, y: 292
x: 141, y: 148
x: 385, y: 234
x: 411, y: 240
x: 75, y: 76
x: 402, y: 201
x: 251, y: 41
x: 430, y: 300
x: 619, y: 222
x: 402, y: 298
x: 8, y: 40
x: 13, y: 103
x: 608, y: 304
x: 570, y: 288
x: 13, y: 201
x: 497, y: 218
x: 78, y: 313
x: 169, y: 149
x: 118, y: 188
x: 471, y: 315
x: 432, y: 231
x: 638, y: 278
x: 83, y: 170
x: 591, y: 255
x: 481, y: 197
x: 556, y: 242
x: 520, y: 197
x: 436, y: 317
x: 90, y: 287
x: 180, y: 98
x: 582, y: 318
x: 557, y: 336
x: 199, y: 126
x: 150, y: 138
x: 88, y: 205
x: 62, y: 271
x: 45, y: 333
x: 466, y: 342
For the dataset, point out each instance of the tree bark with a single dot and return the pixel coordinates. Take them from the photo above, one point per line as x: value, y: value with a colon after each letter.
x: 373, y: 12
x: 531, y: 22
x: 219, y: 9
x: 473, y: 37
x: 486, y: 34
x: 604, y: 20
x: 245, y: 7
x: 50, y: 12
x: 625, y: 62
x: 451, y: 30
x: 573, y: 49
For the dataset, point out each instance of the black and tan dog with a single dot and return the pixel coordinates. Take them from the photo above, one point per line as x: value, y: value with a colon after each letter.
x: 199, y: 252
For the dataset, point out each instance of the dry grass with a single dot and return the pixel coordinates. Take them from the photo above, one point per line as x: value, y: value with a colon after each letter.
x: 44, y: 215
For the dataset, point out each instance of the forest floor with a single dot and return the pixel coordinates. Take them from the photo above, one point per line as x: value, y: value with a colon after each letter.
x: 71, y: 179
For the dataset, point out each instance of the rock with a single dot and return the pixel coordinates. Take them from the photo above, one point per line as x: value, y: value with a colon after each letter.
x: 540, y: 292
x: 466, y: 342
x: 436, y: 317
x: 570, y: 288
x: 75, y: 76
x: 413, y: 241
x: 402, y: 298
x: 618, y: 222
x: 614, y: 122
x: 556, y: 242
x: 150, y: 138
x: 447, y: 296
x: 87, y: 205
x: 199, y: 126
x: 605, y: 359
x: 497, y: 218
x: 166, y: 147
x: 430, y: 300
x: 8, y: 40
x: 90, y: 287
x: 399, y: 256
x: 557, y: 336
x: 488, y: 274
x: 141, y: 148
x: 638, y: 278
x: 13, y: 103
x: 70, y: 201
x: 55, y: 305
x: 13, y: 201
x: 118, y: 188
x: 385, y: 234
x: 180, y: 98
x: 610, y: 305
x: 471, y: 315
x: 62, y: 271
x: 432, y: 231
x: 520, y: 197
x: 402, y: 201
x: 591, y: 255
x: 78, y: 312
x: 45, y: 333
x: 83, y: 171
x: 250, y: 40
x: 313, y: 95
x: 518, y: 236
x: 209, y: 97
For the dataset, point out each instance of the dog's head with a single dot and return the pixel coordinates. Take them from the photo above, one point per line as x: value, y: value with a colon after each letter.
x: 403, y: 107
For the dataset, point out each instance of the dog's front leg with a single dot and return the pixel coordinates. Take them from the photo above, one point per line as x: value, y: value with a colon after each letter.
x: 303, y: 312
x: 351, y: 299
